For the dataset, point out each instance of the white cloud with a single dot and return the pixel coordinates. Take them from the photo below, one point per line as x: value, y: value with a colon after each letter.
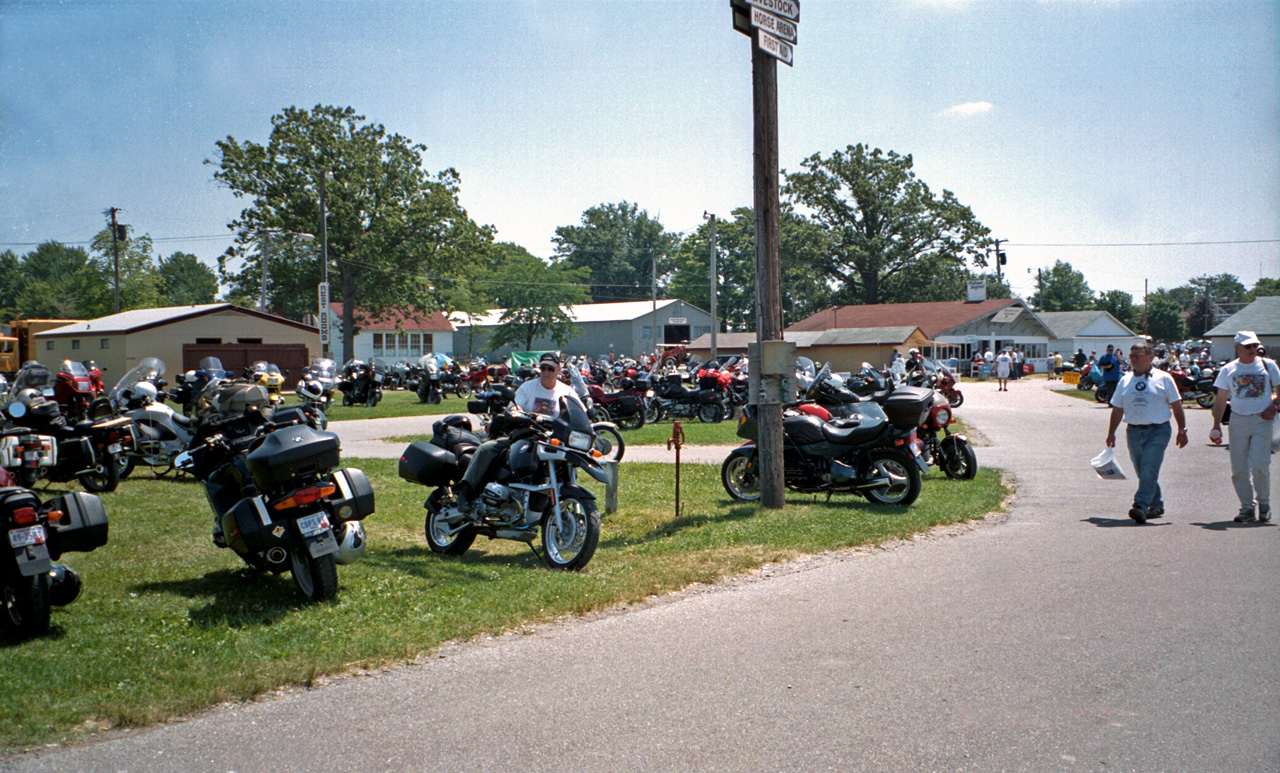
x: 969, y: 108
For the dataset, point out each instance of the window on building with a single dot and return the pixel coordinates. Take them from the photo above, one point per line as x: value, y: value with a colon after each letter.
x: 105, y: 343
x: 377, y: 344
x: 48, y: 346
x: 214, y: 341
x: 75, y: 343
x: 427, y: 343
x: 248, y: 340
x: 403, y: 342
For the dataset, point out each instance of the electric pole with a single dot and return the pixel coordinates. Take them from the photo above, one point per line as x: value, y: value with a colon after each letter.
x: 115, y: 249
x: 1000, y: 260
x: 715, y: 283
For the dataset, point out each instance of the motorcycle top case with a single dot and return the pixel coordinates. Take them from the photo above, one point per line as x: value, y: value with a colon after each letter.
x: 908, y: 406
x: 83, y: 526
x: 429, y: 465
x: 356, y: 492
x: 289, y: 454
x: 236, y: 398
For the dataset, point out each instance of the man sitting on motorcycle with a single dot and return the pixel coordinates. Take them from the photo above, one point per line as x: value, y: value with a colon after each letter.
x: 541, y: 396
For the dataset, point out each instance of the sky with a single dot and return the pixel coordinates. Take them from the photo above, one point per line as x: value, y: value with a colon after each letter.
x: 1137, y: 140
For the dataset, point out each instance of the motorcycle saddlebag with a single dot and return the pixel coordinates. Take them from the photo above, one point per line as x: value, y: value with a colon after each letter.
x: 356, y: 495
x: 704, y: 396
x: 429, y: 465
x: 629, y: 405
x: 908, y: 406
x: 248, y: 527
x: 292, y: 453
x: 83, y: 526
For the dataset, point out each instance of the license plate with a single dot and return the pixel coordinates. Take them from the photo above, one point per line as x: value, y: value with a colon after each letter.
x: 32, y: 535
x: 377, y: 377
x: 31, y: 456
x: 114, y: 448
x: 313, y: 524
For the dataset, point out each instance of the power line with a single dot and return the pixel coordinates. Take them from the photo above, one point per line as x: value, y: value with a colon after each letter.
x: 1150, y: 244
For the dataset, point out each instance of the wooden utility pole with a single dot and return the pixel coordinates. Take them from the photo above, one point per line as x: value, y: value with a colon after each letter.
x: 115, y: 249
x: 715, y: 285
x: 764, y: 81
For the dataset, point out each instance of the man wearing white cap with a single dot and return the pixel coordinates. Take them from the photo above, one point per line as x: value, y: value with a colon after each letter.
x: 1251, y: 383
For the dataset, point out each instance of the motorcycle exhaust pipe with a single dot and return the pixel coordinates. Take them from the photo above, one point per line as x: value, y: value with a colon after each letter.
x: 520, y: 535
x: 277, y: 555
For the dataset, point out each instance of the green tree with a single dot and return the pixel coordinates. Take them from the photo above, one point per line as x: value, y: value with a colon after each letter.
x: 1265, y: 287
x: 880, y: 221
x: 11, y: 281
x: 185, y: 281
x: 139, y: 277
x: 1062, y: 288
x: 59, y: 282
x: 800, y: 245
x: 618, y: 244
x: 392, y: 227
x: 535, y: 296
x: 1164, y: 318
x: 1201, y: 294
x: 1120, y: 304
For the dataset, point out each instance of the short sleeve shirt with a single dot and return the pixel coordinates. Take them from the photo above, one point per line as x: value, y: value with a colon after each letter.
x: 535, y: 398
x: 1146, y: 398
x: 1249, y: 386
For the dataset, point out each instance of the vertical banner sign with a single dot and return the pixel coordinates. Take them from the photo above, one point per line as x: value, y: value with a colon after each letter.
x: 323, y: 317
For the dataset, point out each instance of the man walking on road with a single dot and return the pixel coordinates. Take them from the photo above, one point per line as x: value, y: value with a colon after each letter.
x: 1251, y: 383
x: 1144, y: 399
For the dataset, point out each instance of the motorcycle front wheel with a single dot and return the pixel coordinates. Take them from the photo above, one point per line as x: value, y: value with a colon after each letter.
x: 126, y: 465
x: 439, y: 532
x: 463, y: 390
x: 570, y: 541
x: 904, y: 478
x: 958, y: 462
x: 1103, y: 395
x: 956, y: 399
x: 103, y: 478
x: 609, y: 441
x: 316, y: 578
x: 597, y: 414
x: 740, y: 476
x: 26, y: 606
x: 652, y: 411
x: 435, y: 397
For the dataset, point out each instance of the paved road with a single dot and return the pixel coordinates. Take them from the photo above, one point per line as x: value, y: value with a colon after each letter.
x: 1062, y: 637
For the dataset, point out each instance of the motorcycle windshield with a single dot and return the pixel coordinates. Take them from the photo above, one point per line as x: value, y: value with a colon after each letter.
x: 573, y: 427
x: 211, y: 364
x: 74, y: 369
x: 819, y: 379
x: 378, y: 364
x: 324, y: 363
x: 274, y: 370
x: 150, y: 369
x: 32, y: 376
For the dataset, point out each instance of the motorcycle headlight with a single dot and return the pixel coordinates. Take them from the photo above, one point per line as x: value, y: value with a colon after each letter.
x: 580, y: 440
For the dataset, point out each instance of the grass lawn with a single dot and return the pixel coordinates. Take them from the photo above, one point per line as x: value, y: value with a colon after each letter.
x: 393, y: 404
x: 169, y: 625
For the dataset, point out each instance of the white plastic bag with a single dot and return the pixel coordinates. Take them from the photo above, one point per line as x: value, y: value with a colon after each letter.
x: 1106, y: 466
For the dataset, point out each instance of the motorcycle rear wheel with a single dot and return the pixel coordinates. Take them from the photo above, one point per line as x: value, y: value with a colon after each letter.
x: 316, y: 578
x: 571, y: 547
x: 740, y: 478
x: 958, y: 461
x: 126, y: 465
x: 652, y: 411
x: 463, y: 390
x: 103, y: 479
x: 1103, y: 395
x: 633, y: 421
x: 711, y: 413
x: 905, y: 476
x: 26, y: 606
x: 436, y: 530
x: 1206, y: 400
x: 435, y: 397
x: 613, y: 437
x: 597, y: 414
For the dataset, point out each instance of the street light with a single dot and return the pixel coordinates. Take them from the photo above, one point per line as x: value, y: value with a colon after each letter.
x: 264, y: 237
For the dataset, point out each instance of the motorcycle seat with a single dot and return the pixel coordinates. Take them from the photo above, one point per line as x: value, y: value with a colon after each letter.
x: 182, y: 421
x: 850, y: 432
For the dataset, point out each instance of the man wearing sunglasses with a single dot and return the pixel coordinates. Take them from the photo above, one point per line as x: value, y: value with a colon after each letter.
x: 540, y: 395
x: 1251, y: 383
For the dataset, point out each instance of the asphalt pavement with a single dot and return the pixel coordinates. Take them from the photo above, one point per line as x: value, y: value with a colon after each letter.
x: 1059, y: 636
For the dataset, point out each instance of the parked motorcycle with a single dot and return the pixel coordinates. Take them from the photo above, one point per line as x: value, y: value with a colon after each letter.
x: 1190, y: 387
x: 39, y: 533
x: 532, y: 488
x: 677, y: 401
x: 856, y: 456
x: 162, y: 433
x: 280, y: 501
x: 625, y: 410
x: 429, y: 389
x: 73, y: 391
x: 188, y: 386
x: 949, y: 451
x: 324, y: 372
x: 268, y: 376
x: 86, y: 451
x: 362, y: 382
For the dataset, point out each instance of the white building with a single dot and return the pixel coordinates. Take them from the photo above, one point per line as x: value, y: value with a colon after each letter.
x: 395, y: 335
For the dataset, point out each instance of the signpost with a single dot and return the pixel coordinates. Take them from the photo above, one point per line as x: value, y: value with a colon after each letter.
x: 767, y: 22
x: 323, y: 317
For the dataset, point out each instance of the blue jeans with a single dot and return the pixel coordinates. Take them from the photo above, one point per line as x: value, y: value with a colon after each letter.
x: 1146, y: 451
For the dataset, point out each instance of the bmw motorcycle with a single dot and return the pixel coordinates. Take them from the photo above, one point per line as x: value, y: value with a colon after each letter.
x: 162, y: 433
x: 280, y: 501
x: 531, y: 489
x: 39, y: 533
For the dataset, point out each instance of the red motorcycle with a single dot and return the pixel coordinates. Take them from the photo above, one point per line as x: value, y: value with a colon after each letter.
x: 1191, y: 388
x: 73, y: 390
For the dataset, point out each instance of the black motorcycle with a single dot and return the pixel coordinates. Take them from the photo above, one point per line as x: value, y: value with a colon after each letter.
x: 188, y: 386
x: 676, y: 401
x: 38, y: 534
x: 531, y: 488
x: 429, y: 386
x: 362, y: 382
x: 280, y: 501
x: 89, y: 451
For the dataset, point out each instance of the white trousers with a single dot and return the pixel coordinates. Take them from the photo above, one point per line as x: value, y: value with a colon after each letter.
x: 1250, y: 439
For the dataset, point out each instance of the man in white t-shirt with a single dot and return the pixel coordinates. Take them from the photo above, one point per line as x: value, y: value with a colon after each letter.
x: 1250, y: 382
x: 1004, y: 361
x: 1145, y: 399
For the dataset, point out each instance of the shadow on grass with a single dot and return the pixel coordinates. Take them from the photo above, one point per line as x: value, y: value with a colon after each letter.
x: 471, y: 565
x: 54, y: 633
x: 241, y: 598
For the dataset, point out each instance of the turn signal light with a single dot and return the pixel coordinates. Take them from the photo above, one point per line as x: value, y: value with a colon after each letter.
x: 55, y: 516
x: 305, y: 496
x: 595, y: 453
x: 555, y: 441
